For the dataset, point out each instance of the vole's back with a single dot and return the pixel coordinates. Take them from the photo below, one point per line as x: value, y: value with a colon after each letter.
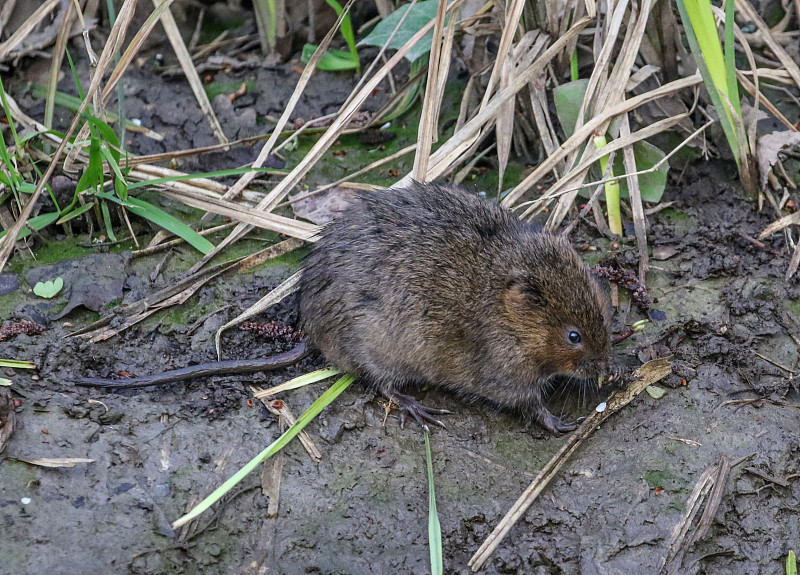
x: 432, y: 284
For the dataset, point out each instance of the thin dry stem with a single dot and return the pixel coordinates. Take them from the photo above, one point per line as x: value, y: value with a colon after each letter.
x: 648, y: 374
x: 429, y: 121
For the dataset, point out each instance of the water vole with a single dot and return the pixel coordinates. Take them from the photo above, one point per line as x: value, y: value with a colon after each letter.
x: 434, y: 285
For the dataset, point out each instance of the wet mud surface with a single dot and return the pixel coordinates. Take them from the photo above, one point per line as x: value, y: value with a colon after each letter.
x: 729, y: 322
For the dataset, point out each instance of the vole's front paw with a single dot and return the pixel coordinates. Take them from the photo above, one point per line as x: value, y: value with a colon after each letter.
x: 553, y: 424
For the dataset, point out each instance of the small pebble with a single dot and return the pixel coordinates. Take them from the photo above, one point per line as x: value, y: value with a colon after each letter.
x: 601, y: 408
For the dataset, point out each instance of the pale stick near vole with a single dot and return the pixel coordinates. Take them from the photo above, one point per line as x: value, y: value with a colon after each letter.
x: 434, y: 285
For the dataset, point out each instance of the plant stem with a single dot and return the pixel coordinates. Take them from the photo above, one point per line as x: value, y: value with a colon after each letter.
x: 612, y: 190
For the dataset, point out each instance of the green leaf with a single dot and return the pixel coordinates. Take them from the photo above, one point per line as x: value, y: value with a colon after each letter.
x: 651, y: 184
x: 347, y: 31
x: 5, y: 382
x: 655, y: 392
x: 107, y: 221
x: 10, y: 118
x: 434, y: 527
x: 93, y: 175
x: 48, y: 289
x: 217, y: 174
x: 107, y: 135
x: 421, y: 13
x: 701, y: 34
x: 113, y: 161
x: 37, y: 223
x: 332, y: 60
x: 568, y: 99
x: 791, y: 563
x: 75, y: 213
x: 300, y: 381
x: 163, y: 219
x: 322, y: 401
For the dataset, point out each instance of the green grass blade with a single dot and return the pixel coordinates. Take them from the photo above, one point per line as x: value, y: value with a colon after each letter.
x: 107, y: 221
x: 112, y: 161
x: 434, y: 528
x: 323, y: 401
x: 217, y: 174
x: 8, y: 115
x: 73, y: 103
x: 573, y: 66
x: 301, y: 381
x: 723, y: 110
x: 791, y: 563
x: 36, y: 223
x: 17, y: 364
x: 347, y: 33
x: 75, y: 77
x: 332, y: 60
x: 161, y: 218
x: 93, y: 175
x: 75, y: 213
x: 106, y: 134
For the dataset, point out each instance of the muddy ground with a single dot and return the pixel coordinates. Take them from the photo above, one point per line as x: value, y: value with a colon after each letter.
x: 729, y: 321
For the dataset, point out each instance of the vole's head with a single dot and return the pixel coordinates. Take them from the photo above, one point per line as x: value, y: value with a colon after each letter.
x: 556, y: 310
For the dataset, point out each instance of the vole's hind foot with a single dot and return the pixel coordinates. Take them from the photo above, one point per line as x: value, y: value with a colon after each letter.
x: 554, y: 424
x: 407, y: 405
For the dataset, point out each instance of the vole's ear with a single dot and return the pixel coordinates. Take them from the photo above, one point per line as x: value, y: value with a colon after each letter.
x: 523, y: 289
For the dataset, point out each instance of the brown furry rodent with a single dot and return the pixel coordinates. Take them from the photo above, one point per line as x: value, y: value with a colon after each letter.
x: 432, y: 284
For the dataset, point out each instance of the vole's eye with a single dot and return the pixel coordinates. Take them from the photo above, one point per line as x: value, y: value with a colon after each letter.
x: 574, y: 336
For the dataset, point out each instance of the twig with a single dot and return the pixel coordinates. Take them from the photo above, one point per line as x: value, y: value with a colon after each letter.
x: 648, y: 374
x: 758, y: 244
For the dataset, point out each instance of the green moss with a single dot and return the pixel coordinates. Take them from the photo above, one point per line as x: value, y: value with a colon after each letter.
x: 765, y: 291
x: 682, y: 221
x: 17, y: 473
x: 792, y: 305
x: 662, y: 478
x: 50, y: 252
x: 673, y: 216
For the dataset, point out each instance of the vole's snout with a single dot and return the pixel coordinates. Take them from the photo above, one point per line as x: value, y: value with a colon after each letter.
x: 602, y: 367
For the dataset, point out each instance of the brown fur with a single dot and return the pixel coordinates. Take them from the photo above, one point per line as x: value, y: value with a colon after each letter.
x: 435, y: 285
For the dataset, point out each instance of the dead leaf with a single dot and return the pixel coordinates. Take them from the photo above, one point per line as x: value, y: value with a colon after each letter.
x: 322, y: 208
x: 768, y: 148
x: 56, y: 461
x: 655, y: 392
